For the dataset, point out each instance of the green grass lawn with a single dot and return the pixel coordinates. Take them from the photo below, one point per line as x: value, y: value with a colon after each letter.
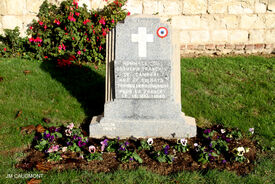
x: 233, y: 91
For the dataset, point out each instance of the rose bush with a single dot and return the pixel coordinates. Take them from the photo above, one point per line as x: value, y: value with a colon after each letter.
x: 70, y: 33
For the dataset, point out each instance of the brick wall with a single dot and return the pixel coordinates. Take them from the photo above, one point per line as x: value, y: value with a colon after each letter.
x: 206, y: 26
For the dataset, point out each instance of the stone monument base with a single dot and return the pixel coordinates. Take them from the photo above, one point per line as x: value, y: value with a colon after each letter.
x: 184, y: 126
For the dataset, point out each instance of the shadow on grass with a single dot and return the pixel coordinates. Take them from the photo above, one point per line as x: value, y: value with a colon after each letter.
x: 87, y: 86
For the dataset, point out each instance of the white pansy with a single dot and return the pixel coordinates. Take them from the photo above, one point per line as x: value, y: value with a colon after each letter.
x: 223, y: 131
x: 92, y: 149
x: 68, y: 132
x: 251, y: 130
x: 150, y: 141
x: 183, y: 142
x: 240, y: 151
x: 64, y: 149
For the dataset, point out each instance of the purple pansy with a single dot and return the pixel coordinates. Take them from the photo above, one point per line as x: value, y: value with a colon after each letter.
x: 211, y: 158
x: 122, y: 148
x: 227, y: 139
x: 166, y: 149
x: 47, y: 136
x: 80, y: 143
x: 207, y: 131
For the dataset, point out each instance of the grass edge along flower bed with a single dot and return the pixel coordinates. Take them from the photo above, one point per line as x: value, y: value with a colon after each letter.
x: 60, y: 148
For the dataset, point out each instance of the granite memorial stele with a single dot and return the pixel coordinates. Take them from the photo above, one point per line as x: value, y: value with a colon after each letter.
x: 143, y: 88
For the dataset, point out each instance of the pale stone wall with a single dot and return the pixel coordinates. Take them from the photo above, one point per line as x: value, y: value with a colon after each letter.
x: 206, y: 26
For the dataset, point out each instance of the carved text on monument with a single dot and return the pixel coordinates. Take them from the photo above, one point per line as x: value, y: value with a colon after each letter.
x: 142, y: 79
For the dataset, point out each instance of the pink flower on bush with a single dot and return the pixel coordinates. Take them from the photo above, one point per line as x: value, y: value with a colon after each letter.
x: 5, y: 49
x: 87, y: 39
x: 128, y: 14
x: 100, y: 48
x: 31, y: 27
x: 53, y: 148
x: 73, y: 38
x: 45, y: 27
x: 35, y: 40
x: 75, y: 3
x: 57, y: 22
x: 86, y: 21
x: 103, y: 32
x: 31, y: 39
x: 62, y: 46
x: 77, y: 13
x: 46, y: 57
x: 71, y: 17
x: 79, y: 52
x: 113, y: 21
x: 40, y: 23
x: 84, y: 50
x: 39, y: 45
x: 92, y: 149
x: 102, y: 21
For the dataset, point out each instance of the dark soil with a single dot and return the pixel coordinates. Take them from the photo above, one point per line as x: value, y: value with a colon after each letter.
x: 110, y: 162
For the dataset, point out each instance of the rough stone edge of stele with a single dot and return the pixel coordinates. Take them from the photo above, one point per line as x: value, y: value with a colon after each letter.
x: 100, y: 128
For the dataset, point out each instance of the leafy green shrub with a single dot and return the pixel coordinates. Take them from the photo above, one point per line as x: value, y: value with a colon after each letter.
x: 67, y: 34
x: 70, y: 31
x: 11, y: 44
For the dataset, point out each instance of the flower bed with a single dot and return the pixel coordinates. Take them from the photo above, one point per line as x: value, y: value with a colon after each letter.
x: 60, y: 148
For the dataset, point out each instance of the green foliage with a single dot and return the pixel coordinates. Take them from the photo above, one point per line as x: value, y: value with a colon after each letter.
x: 204, y: 156
x: 126, y: 154
x: 42, y: 145
x: 181, y: 148
x: 144, y: 145
x: 11, y: 44
x: 219, y: 146
x: 236, y: 134
x: 94, y: 156
x: 55, y: 156
x: 113, y: 146
x: 163, y: 155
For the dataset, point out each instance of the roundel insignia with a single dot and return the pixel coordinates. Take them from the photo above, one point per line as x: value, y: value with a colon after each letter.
x: 162, y: 32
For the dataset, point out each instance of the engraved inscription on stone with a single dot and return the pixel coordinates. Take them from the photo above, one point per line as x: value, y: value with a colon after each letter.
x: 142, y: 79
